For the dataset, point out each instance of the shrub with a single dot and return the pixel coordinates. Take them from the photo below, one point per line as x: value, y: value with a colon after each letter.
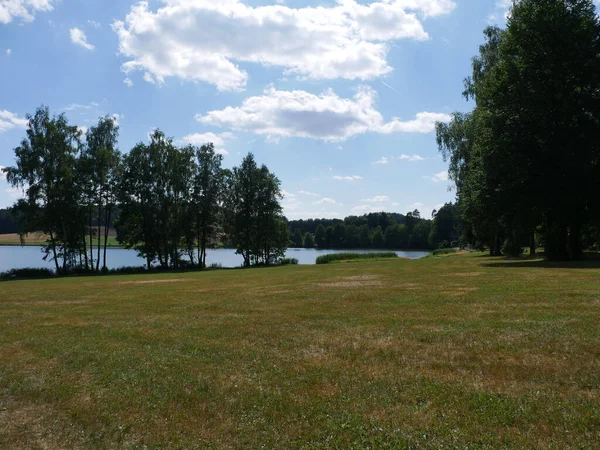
x: 288, y: 261
x: 444, y: 251
x: 27, y: 272
x: 326, y: 259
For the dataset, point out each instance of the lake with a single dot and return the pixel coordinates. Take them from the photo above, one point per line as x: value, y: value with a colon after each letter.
x: 15, y: 257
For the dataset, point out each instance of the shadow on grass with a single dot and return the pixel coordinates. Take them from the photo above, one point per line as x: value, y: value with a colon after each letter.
x: 590, y: 261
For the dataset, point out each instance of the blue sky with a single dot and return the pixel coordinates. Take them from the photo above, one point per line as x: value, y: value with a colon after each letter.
x: 337, y: 98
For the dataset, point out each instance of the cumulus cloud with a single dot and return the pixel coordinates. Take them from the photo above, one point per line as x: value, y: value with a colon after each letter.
x: 383, y: 160
x: 2, y: 174
x: 9, y: 120
x: 8, y: 52
x: 128, y: 82
x: 78, y: 38
x: 438, y: 177
x: 204, y: 40
x: 22, y: 9
x: 376, y: 199
x: 94, y: 24
x: 325, y: 116
x: 411, y: 158
x: 347, y: 178
x: 308, y: 193
x: 218, y: 140
x: 325, y: 200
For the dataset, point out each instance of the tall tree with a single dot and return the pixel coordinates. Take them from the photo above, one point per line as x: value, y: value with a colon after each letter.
x: 209, y: 185
x: 45, y: 170
x: 100, y: 164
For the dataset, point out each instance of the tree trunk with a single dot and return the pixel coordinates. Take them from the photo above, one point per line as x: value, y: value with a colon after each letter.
x: 532, y: 247
x: 98, y: 254
x: 106, y: 230
x: 53, y: 245
x: 91, y: 244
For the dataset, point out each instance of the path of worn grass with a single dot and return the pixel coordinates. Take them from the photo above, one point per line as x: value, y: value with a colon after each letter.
x: 443, y: 352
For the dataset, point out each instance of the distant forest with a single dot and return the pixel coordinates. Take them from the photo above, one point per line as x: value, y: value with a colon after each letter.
x: 380, y: 230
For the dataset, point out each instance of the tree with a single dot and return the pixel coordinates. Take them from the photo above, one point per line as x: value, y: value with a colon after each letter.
x: 444, y: 229
x: 254, y: 213
x: 154, y: 195
x: 377, y: 240
x: 308, y: 241
x: 209, y: 184
x: 320, y: 237
x: 297, y: 238
x: 46, y: 171
x: 100, y: 166
x: 396, y: 236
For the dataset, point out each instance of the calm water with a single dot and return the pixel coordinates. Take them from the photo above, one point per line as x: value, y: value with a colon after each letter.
x: 19, y: 257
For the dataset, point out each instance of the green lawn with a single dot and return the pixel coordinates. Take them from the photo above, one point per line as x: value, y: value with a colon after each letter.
x: 452, y: 352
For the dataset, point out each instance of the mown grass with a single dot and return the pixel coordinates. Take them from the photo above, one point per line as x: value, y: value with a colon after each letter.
x: 450, y: 352
x: 341, y: 257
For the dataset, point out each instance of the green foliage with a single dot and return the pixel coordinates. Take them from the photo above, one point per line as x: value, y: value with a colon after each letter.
x: 308, y: 241
x: 336, y: 257
x: 527, y: 157
x: 320, y: 236
x: 288, y: 261
x: 377, y: 239
x: 297, y: 238
x: 444, y: 251
x: 253, y: 213
x: 24, y: 273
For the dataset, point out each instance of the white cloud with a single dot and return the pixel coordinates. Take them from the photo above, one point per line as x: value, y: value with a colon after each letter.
x: 382, y: 160
x: 117, y: 118
x: 314, y: 214
x: 325, y: 116
x: 411, y: 158
x: 9, y: 120
x: 78, y: 38
x: 376, y: 199
x: 325, y: 200
x: 287, y: 194
x: 22, y: 9
x: 148, y: 78
x: 203, y: 40
x: 82, y: 129
x: 2, y: 174
x: 94, y: 24
x: 440, y: 176
x: 8, y: 52
x: 366, y: 209
x: 74, y: 106
x: 310, y: 194
x: 218, y: 140
x: 128, y: 82
x: 347, y: 178
x: 414, y: 206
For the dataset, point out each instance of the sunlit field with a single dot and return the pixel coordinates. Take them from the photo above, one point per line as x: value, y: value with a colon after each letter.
x: 459, y: 351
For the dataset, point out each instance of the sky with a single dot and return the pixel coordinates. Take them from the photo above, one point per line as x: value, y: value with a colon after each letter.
x: 338, y: 98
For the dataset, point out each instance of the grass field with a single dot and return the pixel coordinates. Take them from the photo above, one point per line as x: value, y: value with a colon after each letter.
x: 38, y: 239
x: 452, y: 352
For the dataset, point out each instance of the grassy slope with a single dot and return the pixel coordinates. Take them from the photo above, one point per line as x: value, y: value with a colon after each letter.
x: 39, y: 239
x: 442, y: 352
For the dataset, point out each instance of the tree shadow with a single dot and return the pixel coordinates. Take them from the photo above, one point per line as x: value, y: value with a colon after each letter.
x: 590, y: 261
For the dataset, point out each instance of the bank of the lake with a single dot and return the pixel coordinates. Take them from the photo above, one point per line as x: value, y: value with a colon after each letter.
x: 17, y: 257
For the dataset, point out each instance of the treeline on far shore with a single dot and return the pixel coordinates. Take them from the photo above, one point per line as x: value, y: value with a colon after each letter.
x: 381, y: 231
